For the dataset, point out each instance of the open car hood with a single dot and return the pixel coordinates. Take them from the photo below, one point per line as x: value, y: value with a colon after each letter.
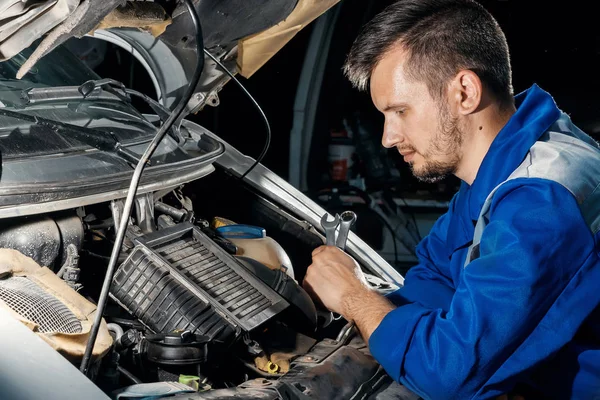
x: 243, y: 34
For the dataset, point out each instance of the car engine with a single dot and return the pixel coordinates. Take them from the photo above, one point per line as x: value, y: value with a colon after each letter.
x: 182, y: 279
x: 192, y: 304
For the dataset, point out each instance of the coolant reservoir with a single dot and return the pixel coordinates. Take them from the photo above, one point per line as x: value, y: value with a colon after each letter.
x: 252, y: 242
x: 267, y: 251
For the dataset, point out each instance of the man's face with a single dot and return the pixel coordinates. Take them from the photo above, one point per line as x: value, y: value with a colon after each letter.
x: 425, y: 132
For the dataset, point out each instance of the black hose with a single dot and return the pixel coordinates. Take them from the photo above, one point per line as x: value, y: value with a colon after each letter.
x: 260, y: 110
x: 135, y: 180
x: 105, y: 223
x: 129, y: 375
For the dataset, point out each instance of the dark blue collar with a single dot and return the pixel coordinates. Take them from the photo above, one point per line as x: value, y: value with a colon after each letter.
x: 536, y: 112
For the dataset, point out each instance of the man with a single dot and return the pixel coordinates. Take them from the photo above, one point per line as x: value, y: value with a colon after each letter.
x: 506, y: 294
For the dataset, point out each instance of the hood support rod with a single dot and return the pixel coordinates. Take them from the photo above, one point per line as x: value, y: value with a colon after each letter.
x: 135, y: 180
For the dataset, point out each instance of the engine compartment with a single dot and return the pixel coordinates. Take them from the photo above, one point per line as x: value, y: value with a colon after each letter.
x: 217, y: 312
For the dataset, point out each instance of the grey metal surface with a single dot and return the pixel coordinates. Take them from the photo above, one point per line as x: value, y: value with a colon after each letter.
x: 32, y: 370
x: 66, y: 93
x: 144, y: 212
x: 116, y: 210
x: 38, y: 238
x: 330, y: 228
x: 347, y: 219
x: 50, y: 206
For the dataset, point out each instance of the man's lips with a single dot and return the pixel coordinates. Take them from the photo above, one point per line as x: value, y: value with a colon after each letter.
x: 407, y: 154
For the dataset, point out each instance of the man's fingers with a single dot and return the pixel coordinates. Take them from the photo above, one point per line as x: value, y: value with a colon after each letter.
x: 318, y: 250
x: 327, y: 250
x: 308, y: 287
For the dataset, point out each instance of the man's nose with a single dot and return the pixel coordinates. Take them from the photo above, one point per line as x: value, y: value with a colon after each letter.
x: 391, y: 136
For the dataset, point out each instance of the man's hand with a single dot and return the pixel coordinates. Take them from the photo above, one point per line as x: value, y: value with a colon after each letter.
x: 332, y: 277
x: 335, y: 280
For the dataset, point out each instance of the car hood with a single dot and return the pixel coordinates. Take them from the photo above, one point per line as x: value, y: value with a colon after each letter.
x: 243, y: 34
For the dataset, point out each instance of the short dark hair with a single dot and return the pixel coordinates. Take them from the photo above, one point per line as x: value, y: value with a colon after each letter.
x: 441, y: 38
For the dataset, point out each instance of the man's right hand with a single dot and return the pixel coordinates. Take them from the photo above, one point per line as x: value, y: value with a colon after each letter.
x: 335, y: 280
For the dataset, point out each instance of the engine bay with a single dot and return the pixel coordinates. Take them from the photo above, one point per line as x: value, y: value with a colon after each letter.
x: 206, y: 298
x: 188, y: 282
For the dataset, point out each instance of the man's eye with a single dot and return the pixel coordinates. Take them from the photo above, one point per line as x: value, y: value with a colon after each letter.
x: 399, y: 112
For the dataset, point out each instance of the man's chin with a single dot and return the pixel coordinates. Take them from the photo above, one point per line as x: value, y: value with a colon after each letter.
x: 431, y: 178
x: 429, y: 175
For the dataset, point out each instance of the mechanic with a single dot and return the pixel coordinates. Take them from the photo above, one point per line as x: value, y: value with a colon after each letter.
x: 505, y: 297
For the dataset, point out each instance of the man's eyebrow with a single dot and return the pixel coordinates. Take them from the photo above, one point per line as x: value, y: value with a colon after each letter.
x: 394, y: 106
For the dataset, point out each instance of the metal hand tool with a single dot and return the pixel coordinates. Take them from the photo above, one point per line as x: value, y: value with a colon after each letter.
x: 330, y: 228
x: 347, y: 219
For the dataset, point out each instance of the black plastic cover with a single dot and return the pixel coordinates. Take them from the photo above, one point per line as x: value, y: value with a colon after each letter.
x: 305, y: 317
x: 144, y: 286
x: 177, y: 278
x: 174, y: 348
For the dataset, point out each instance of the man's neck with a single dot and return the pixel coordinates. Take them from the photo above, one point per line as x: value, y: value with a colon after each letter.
x: 480, y: 131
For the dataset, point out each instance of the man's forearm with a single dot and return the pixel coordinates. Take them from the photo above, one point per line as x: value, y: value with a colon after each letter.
x: 367, y: 309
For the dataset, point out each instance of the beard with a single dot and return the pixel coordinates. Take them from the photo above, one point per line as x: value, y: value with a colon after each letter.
x: 445, y: 144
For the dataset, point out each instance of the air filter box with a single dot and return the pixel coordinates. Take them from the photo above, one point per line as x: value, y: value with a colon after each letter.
x: 179, y: 279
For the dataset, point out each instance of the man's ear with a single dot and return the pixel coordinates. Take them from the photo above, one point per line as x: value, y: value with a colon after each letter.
x: 466, y: 92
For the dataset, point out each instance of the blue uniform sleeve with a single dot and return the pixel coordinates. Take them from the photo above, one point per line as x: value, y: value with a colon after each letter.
x: 534, y: 244
x: 429, y: 282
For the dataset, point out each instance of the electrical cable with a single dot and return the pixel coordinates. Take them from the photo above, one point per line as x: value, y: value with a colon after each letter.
x: 266, y: 121
x: 135, y: 180
x: 389, y: 227
x: 129, y: 375
x: 149, y: 100
x: 414, y: 220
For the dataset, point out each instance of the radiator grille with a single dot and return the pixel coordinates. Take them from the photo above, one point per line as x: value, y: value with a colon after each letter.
x: 30, y: 301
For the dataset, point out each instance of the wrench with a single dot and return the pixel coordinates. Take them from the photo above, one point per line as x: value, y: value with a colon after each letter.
x: 330, y: 228
x: 347, y: 220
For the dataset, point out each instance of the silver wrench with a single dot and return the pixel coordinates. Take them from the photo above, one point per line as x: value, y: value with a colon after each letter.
x: 347, y: 219
x: 330, y: 228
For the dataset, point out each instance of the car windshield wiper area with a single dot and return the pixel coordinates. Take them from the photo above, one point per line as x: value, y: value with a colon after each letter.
x: 113, y: 89
x: 99, y: 139
x: 113, y: 86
